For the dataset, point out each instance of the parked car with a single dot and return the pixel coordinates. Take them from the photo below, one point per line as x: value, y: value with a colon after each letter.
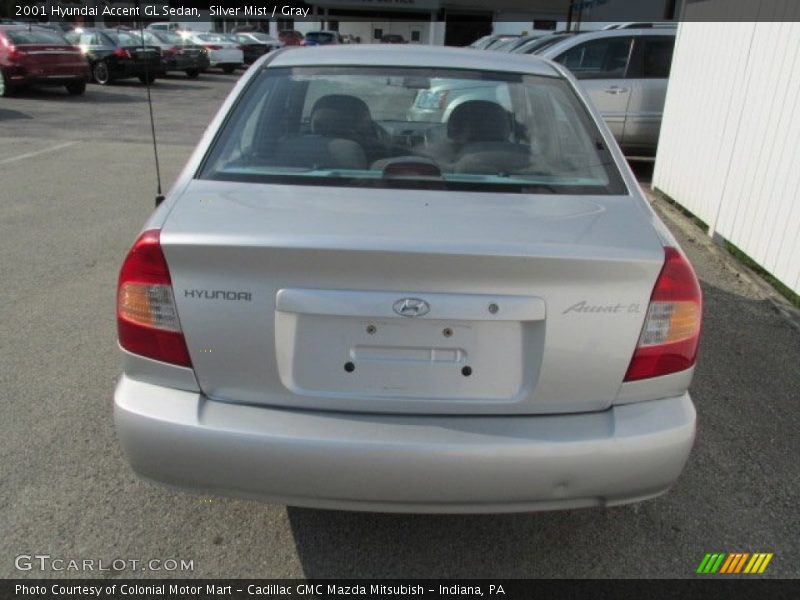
x: 34, y: 56
x: 436, y: 102
x: 116, y: 55
x: 643, y: 25
x: 165, y: 26
x: 538, y: 44
x: 177, y: 53
x: 513, y: 43
x: 222, y: 52
x: 625, y: 72
x: 291, y: 37
x: 393, y: 38
x: 487, y: 41
x: 254, y: 45
x: 340, y: 307
x: 322, y: 38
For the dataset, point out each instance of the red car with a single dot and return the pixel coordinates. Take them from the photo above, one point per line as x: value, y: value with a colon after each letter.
x: 34, y: 55
x: 289, y: 37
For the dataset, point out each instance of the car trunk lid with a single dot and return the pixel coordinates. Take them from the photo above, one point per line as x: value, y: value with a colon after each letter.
x: 34, y: 56
x: 410, y: 301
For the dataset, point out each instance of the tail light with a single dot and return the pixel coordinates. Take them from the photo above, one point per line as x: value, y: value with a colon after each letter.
x: 671, y: 333
x: 147, y: 319
x: 15, y: 55
x: 213, y: 47
x: 169, y: 51
x: 121, y: 53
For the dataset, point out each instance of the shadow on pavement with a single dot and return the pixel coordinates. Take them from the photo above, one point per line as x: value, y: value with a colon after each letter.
x: 7, y: 115
x: 94, y: 93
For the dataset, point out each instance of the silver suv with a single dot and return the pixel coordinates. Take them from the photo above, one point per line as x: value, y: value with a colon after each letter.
x: 625, y: 73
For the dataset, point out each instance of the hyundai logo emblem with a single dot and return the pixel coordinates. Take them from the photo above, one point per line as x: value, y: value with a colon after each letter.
x: 411, y: 307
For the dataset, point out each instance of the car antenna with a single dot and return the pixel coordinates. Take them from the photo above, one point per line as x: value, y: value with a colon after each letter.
x: 159, y: 194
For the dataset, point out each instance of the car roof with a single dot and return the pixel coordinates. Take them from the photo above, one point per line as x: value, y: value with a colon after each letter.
x: 586, y: 36
x: 412, y: 56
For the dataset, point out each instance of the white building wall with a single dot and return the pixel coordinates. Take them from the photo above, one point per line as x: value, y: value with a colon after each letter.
x: 730, y: 141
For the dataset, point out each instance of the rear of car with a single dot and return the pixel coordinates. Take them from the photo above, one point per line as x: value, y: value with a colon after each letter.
x: 178, y: 53
x: 625, y: 72
x: 290, y: 37
x: 341, y: 305
x: 252, y: 48
x: 34, y: 56
x: 117, y: 54
x: 223, y: 53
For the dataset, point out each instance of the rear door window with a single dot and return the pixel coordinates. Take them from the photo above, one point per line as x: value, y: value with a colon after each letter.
x: 605, y: 58
x: 652, y: 57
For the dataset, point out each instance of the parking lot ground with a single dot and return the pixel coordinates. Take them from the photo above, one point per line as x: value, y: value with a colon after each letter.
x: 67, y: 217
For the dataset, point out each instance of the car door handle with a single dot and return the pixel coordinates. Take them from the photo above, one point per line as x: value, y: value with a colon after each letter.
x: 615, y: 89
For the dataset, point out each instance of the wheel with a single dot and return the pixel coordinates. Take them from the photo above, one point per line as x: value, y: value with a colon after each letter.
x: 228, y: 69
x: 149, y: 78
x: 192, y: 73
x: 100, y: 72
x: 5, y: 90
x: 76, y: 88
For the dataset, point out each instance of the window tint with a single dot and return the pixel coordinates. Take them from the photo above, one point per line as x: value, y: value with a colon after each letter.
x: 319, y: 36
x: 123, y: 39
x: 33, y: 36
x: 90, y: 39
x: 213, y: 37
x: 657, y: 57
x: 605, y: 58
x: 172, y: 38
x: 374, y: 127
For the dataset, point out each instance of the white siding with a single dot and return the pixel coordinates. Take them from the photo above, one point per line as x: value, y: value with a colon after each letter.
x: 730, y: 141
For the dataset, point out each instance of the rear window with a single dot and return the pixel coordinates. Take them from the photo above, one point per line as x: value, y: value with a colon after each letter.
x: 262, y: 37
x: 33, y: 36
x: 123, y: 39
x: 213, y: 37
x: 319, y: 36
x: 413, y: 128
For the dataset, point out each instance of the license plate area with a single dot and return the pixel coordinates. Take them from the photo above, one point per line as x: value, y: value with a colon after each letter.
x: 324, y: 349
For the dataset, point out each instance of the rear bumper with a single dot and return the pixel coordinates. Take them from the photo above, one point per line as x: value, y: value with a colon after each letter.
x: 58, y: 76
x: 404, y: 463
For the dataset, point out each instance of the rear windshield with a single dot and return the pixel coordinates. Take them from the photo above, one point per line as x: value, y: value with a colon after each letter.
x: 21, y: 37
x: 413, y: 128
x: 319, y: 36
x: 123, y: 39
x: 166, y: 37
x: 213, y: 37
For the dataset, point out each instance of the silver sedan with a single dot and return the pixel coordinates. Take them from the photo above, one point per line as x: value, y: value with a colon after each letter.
x: 340, y: 306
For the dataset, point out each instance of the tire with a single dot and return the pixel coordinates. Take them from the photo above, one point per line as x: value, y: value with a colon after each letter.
x: 149, y: 78
x: 228, y: 69
x: 76, y: 88
x: 100, y: 72
x: 192, y: 73
x: 5, y: 89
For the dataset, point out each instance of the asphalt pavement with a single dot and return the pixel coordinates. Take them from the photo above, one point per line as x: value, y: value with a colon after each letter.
x: 76, y: 184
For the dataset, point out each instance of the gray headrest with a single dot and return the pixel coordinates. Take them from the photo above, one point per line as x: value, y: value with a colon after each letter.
x: 479, y: 121
x: 339, y: 115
